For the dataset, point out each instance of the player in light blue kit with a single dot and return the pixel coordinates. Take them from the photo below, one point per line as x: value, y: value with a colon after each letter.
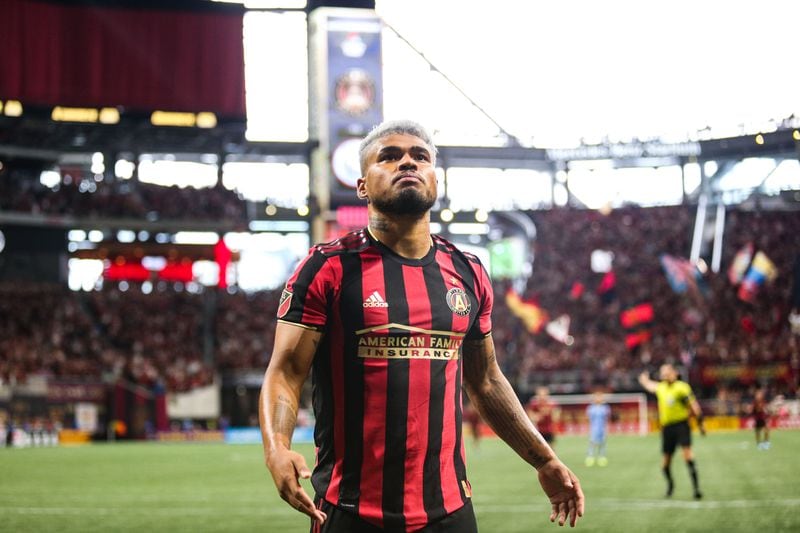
x: 599, y: 413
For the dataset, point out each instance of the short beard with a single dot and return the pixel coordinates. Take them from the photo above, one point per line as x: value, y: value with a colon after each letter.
x: 408, y: 202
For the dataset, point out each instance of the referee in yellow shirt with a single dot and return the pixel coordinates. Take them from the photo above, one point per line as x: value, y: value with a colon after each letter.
x: 676, y: 403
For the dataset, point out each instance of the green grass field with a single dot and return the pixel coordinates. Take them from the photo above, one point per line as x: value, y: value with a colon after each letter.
x: 215, y: 487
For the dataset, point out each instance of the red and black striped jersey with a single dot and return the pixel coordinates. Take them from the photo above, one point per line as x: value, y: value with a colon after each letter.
x: 387, y: 374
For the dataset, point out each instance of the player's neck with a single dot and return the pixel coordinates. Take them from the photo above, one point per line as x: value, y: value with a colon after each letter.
x: 409, y: 237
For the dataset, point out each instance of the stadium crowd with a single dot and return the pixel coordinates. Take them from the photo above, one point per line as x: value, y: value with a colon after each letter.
x: 164, y: 338
x: 703, y: 327
x: 83, y: 196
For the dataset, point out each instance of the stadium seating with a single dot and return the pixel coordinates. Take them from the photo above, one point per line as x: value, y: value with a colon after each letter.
x: 158, y: 338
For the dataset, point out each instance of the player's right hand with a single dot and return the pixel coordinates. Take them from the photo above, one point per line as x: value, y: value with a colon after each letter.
x: 287, y: 467
x: 564, y: 491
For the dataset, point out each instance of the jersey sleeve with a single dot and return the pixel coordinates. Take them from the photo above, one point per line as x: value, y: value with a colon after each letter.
x: 304, y: 300
x: 686, y: 393
x: 485, y: 295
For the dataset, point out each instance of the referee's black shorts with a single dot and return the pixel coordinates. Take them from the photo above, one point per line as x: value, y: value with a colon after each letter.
x: 339, y: 521
x: 674, y: 435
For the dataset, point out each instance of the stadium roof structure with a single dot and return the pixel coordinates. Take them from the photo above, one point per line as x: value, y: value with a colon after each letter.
x: 497, y: 50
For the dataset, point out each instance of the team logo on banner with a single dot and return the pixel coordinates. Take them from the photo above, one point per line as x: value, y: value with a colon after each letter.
x: 458, y: 301
x: 285, y: 302
x: 355, y: 92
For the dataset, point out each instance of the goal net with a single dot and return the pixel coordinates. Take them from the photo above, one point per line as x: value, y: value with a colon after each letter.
x: 629, y: 413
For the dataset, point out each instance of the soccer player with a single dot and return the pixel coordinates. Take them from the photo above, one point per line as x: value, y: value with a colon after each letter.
x: 544, y: 413
x: 761, y: 415
x: 598, y: 412
x: 676, y: 403
x: 392, y: 323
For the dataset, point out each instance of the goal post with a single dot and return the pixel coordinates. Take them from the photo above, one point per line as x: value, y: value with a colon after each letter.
x: 629, y: 412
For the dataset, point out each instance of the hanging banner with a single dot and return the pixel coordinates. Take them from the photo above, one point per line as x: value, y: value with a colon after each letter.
x: 347, y: 96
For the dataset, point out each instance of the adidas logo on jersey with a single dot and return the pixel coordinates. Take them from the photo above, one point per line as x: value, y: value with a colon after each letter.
x: 375, y: 300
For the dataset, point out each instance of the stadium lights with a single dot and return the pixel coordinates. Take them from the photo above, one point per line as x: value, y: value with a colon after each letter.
x: 275, y: 4
x: 759, y: 139
x: 268, y: 4
x: 481, y: 215
x: 204, y: 119
x: 109, y: 115
x: 195, y: 237
x: 1, y: 106
x: 13, y: 108
x: 446, y: 215
x: 50, y: 178
x: 271, y: 210
x: 124, y: 169
x: 126, y: 236
x: 468, y: 228
x: 154, y: 262
x: 172, y: 118
x: 89, y: 115
x: 76, y: 235
x: 74, y: 114
x: 303, y: 211
x: 796, y: 135
x: 280, y: 226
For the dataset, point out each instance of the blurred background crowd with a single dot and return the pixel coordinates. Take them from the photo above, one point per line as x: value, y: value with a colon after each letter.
x: 162, y: 338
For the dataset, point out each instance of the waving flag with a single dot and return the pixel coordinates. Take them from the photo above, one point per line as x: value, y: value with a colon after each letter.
x: 740, y: 263
x: 559, y: 330
x: 533, y: 316
x: 761, y: 271
x: 638, y: 315
x: 637, y: 321
x: 682, y: 274
x: 607, y: 289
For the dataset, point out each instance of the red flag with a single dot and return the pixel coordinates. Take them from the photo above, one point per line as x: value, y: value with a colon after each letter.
x: 636, y: 338
x: 577, y: 290
x: 635, y: 316
x: 608, y: 282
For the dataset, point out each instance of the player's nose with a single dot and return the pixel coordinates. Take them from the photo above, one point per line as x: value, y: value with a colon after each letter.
x: 407, y: 162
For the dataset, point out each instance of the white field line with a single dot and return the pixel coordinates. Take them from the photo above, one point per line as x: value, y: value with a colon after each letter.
x: 165, y: 511
x: 622, y: 505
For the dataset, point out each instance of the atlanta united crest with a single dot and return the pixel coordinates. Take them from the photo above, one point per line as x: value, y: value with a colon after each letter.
x: 458, y: 301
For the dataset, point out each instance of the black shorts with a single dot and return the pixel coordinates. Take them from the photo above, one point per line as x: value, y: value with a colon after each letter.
x: 674, y: 435
x: 761, y: 422
x: 339, y: 521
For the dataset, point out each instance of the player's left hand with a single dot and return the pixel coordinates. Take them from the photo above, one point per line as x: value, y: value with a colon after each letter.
x: 564, y: 491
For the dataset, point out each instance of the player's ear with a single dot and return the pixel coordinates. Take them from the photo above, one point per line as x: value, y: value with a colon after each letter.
x: 361, y: 188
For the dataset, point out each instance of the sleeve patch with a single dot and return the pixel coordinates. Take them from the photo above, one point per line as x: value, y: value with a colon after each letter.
x: 285, y: 302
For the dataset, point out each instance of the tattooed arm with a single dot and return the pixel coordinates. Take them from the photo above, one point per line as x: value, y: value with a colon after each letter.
x: 277, y: 413
x: 494, y: 398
